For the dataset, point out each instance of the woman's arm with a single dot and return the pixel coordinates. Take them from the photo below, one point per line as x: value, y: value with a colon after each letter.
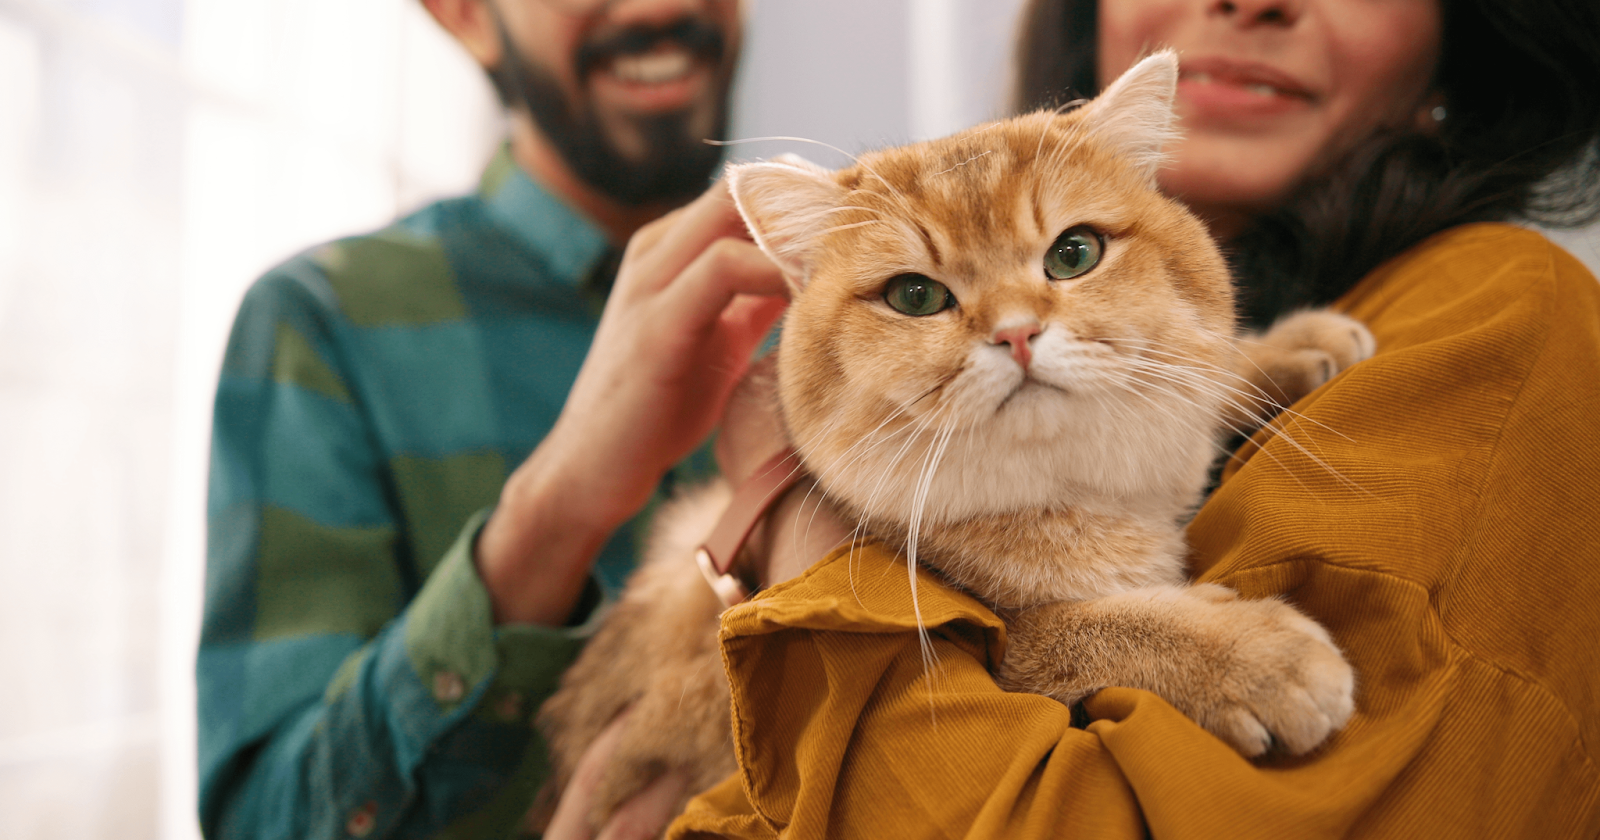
x: 1432, y: 507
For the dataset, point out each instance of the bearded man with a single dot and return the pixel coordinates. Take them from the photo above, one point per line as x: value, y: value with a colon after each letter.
x: 430, y: 443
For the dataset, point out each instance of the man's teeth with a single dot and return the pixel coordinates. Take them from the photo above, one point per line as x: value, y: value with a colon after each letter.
x: 653, y: 68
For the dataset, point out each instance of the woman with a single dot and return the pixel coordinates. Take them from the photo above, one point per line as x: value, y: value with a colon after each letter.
x: 1432, y: 115
x: 1341, y: 149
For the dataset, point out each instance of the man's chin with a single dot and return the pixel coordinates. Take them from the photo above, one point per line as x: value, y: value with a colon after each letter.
x: 675, y: 165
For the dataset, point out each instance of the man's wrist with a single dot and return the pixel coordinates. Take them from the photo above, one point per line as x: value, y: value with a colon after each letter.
x: 535, y: 551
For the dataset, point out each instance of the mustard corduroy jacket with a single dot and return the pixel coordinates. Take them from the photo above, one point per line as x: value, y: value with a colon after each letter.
x: 1440, y: 516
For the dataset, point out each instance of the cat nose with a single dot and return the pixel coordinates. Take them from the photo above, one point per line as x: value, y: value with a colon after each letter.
x: 1019, y: 338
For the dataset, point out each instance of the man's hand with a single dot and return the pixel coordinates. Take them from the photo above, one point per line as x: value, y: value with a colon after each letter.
x: 692, y: 301
x: 802, y: 526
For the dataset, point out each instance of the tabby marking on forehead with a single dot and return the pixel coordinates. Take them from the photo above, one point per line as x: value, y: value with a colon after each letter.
x: 874, y: 394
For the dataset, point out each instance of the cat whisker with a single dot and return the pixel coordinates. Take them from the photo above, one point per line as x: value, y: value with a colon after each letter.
x: 1126, y: 383
x: 837, y: 228
x: 781, y: 138
x: 1288, y: 439
x: 873, y: 441
x: 961, y: 164
x: 898, y: 196
x: 1050, y: 122
x: 1283, y: 409
x: 1176, y: 371
x: 843, y: 207
x: 864, y: 444
x: 930, y: 466
x: 1267, y: 405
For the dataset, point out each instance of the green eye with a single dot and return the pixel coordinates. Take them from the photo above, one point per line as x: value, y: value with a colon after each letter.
x: 1074, y: 252
x: 915, y: 294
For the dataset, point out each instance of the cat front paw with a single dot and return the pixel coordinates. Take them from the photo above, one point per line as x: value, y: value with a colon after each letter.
x: 1258, y: 674
x: 1278, y: 680
x: 1316, y: 345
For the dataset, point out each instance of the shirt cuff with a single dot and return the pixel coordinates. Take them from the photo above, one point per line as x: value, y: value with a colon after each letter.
x: 505, y: 671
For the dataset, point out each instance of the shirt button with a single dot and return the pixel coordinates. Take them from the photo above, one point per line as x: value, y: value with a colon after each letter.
x: 362, y: 820
x: 447, y: 687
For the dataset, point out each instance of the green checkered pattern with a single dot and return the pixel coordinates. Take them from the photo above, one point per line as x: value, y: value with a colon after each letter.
x: 376, y: 393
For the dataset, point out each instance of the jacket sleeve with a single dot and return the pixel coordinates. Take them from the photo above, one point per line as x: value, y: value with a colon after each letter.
x: 337, y: 695
x: 1433, y: 507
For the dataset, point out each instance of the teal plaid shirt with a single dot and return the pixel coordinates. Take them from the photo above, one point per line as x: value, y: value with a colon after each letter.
x: 376, y: 394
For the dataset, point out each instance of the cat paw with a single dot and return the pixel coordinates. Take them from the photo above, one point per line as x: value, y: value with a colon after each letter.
x: 1321, y: 343
x: 1280, y: 682
x: 1298, y: 355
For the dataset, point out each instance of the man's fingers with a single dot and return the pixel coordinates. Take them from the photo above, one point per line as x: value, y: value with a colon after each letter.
x: 643, y: 816
x: 748, y: 318
x: 661, y: 251
x: 727, y: 268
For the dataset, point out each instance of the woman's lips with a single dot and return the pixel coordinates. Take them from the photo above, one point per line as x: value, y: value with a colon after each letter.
x: 1229, y: 91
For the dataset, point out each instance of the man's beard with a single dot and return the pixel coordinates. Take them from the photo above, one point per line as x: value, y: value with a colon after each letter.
x: 676, y: 166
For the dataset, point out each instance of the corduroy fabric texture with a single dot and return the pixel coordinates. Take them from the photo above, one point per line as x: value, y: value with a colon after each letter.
x: 1436, y: 507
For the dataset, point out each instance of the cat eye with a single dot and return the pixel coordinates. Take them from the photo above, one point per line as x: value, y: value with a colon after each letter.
x: 915, y: 294
x: 1074, y: 252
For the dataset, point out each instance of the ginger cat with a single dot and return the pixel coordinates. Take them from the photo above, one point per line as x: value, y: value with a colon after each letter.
x: 1009, y: 353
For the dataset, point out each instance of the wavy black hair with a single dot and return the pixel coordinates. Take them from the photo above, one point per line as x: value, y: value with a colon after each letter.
x: 1521, y: 86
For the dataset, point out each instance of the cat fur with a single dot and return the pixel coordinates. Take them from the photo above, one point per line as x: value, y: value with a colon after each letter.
x: 1054, y: 490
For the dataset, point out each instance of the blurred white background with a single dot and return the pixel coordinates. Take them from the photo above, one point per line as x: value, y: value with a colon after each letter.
x: 155, y: 157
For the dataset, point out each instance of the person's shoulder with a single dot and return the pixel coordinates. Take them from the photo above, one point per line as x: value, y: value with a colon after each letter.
x: 396, y: 275
x: 1488, y: 254
x: 1471, y: 277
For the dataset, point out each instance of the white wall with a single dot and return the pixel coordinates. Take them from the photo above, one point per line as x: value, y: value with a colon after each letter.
x: 862, y: 74
x: 155, y: 157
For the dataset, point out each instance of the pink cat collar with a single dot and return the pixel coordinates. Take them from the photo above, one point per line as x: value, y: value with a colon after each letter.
x: 750, y: 502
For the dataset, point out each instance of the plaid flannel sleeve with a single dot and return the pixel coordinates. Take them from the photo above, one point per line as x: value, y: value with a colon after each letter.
x: 337, y: 698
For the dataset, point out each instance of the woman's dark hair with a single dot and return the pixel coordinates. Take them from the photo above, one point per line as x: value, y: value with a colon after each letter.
x: 1521, y: 85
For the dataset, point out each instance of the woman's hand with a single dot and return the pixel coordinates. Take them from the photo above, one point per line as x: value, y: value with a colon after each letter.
x: 642, y: 817
x: 692, y: 301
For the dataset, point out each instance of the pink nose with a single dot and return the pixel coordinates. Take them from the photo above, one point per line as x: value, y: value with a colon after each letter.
x: 1018, y: 338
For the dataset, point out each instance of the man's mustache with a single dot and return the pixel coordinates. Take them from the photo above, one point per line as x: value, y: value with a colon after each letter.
x: 697, y: 35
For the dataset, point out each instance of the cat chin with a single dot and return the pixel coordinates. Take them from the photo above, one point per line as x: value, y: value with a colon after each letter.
x: 1094, y: 462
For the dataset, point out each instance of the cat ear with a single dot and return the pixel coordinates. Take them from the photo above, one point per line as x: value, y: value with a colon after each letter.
x: 1134, y: 114
x: 786, y: 204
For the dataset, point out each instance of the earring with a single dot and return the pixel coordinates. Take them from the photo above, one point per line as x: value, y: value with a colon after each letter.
x: 1438, y: 113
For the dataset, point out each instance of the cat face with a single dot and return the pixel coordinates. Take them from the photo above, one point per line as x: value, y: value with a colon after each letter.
x: 1007, y: 318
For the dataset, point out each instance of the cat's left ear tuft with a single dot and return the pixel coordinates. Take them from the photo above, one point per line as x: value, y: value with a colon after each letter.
x: 786, y: 203
x: 1134, y: 114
